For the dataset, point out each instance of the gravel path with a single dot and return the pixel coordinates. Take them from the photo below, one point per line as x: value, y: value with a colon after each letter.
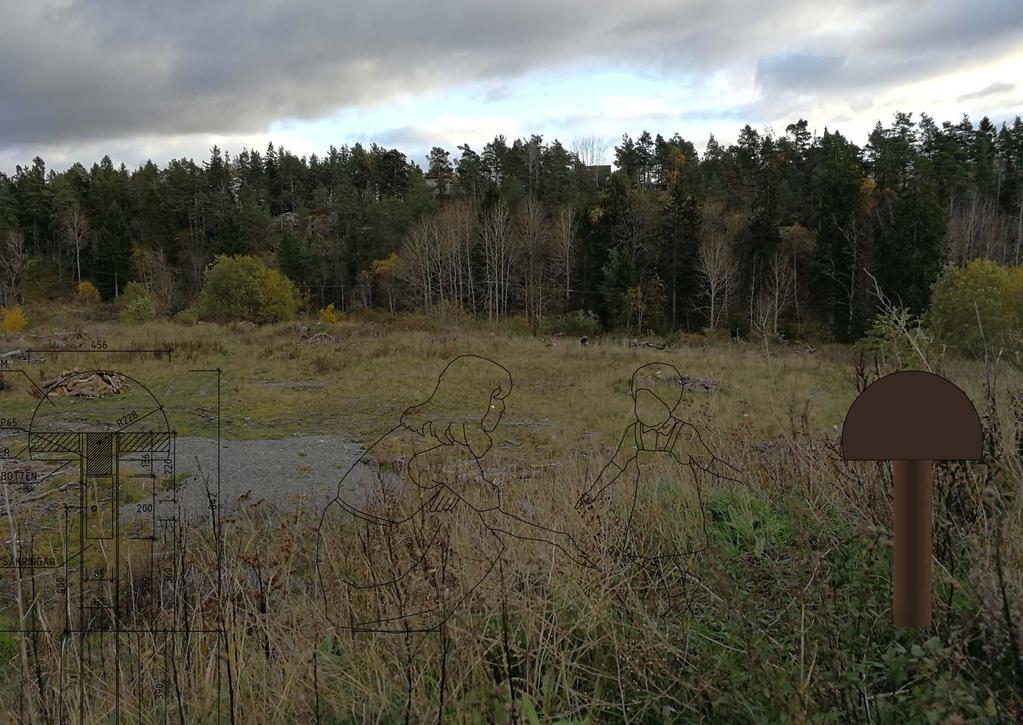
x: 296, y: 472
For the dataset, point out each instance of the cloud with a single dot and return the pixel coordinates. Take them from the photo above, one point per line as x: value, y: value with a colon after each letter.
x: 799, y: 71
x: 999, y: 88
x: 894, y: 44
x: 79, y: 70
x: 78, y: 75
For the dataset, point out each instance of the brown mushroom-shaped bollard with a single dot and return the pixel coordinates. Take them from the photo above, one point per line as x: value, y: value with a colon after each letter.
x: 912, y: 418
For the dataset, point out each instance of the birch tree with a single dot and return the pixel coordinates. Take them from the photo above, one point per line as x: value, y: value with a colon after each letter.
x: 458, y: 237
x: 533, y: 236
x: 12, y: 261
x: 717, y: 260
x: 499, y: 258
x: 564, y: 231
x: 418, y: 266
x: 76, y: 232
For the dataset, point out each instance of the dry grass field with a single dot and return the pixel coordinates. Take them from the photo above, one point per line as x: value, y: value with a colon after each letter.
x: 783, y: 615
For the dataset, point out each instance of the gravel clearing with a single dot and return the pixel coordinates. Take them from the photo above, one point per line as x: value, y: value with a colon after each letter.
x: 297, y: 472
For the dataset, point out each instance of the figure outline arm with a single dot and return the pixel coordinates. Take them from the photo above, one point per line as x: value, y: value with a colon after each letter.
x: 624, y: 456
x: 706, y: 459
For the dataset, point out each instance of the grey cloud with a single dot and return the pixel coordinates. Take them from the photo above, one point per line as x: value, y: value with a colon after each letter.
x: 995, y: 89
x: 907, y: 41
x: 664, y: 122
x: 87, y: 71
x: 954, y: 28
x: 77, y: 70
x: 799, y: 71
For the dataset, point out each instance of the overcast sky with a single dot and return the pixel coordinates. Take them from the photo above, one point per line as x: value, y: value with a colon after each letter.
x: 140, y: 79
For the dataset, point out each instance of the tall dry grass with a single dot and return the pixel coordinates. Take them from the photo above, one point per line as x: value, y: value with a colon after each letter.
x: 783, y: 616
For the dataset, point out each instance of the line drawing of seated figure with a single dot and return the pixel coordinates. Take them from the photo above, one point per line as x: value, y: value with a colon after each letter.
x: 656, y: 432
x: 402, y: 572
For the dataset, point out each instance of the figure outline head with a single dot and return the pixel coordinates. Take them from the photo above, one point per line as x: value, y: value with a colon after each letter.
x: 431, y: 515
x: 649, y: 403
x: 471, y: 428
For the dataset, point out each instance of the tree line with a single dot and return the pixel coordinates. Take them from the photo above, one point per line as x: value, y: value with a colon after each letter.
x: 774, y: 234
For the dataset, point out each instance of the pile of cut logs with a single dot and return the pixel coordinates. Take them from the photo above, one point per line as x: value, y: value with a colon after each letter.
x: 92, y: 384
x: 692, y: 382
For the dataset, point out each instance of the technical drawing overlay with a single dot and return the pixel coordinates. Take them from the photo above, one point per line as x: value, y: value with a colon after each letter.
x: 414, y: 510
x: 96, y: 556
x: 418, y: 526
x: 657, y: 430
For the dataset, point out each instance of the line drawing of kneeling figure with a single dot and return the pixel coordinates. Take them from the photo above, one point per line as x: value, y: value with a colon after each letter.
x: 656, y: 390
x: 402, y: 578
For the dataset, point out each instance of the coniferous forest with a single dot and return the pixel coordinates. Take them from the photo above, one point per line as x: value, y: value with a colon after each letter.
x: 794, y: 233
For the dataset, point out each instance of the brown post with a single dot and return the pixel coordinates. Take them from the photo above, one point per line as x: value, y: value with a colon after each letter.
x: 911, y: 598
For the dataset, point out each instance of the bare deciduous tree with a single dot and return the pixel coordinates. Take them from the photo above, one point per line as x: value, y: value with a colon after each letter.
x: 978, y: 229
x: 437, y: 257
x: 717, y: 261
x: 532, y: 231
x: 76, y: 232
x: 773, y: 296
x: 591, y: 150
x: 12, y: 261
x: 155, y: 273
x: 499, y: 258
x: 844, y: 271
x: 418, y: 266
x: 564, y: 230
x: 457, y: 237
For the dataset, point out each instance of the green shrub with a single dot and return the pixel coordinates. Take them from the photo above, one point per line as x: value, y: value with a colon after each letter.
x: 138, y: 304
x: 899, y: 338
x: 133, y: 291
x: 978, y: 308
x: 139, y: 310
x: 244, y: 288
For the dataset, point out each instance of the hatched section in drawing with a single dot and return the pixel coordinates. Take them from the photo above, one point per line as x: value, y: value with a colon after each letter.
x: 97, y: 567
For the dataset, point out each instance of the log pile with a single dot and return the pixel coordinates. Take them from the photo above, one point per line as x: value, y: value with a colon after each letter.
x: 636, y: 342
x: 321, y: 338
x: 692, y: 382
x: 78, y: 384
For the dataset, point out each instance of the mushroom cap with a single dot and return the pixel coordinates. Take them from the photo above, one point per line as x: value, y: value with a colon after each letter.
x: 912, y: 416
